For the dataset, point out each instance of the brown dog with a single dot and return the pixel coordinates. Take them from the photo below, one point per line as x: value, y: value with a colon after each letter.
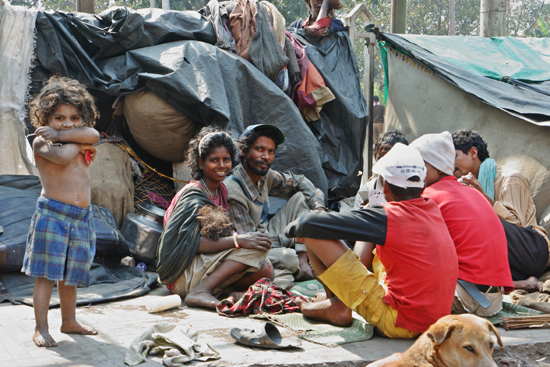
x: 453, y: 341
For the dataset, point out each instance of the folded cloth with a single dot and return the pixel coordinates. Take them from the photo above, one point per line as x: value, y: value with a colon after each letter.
x: 177, y: 344
x: 261, y: 297
x: 486, y: 177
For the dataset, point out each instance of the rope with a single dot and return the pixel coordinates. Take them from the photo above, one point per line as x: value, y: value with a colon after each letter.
x: 133, y: 154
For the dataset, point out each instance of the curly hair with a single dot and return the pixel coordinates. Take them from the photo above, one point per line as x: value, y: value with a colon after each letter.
x: 465, y: 139
x: 202, y: 145
x: 249, y: 139
x: 387, y: 140
x: 58, y: 91
x: 215, y: 222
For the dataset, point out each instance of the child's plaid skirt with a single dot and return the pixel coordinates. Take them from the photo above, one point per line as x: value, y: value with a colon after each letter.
x: 61, y: 243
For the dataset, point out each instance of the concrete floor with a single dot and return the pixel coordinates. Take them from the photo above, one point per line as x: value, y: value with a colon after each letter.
x: 119, y: 323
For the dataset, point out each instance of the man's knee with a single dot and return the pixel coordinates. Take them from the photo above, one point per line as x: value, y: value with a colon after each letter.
x: 284, y: 258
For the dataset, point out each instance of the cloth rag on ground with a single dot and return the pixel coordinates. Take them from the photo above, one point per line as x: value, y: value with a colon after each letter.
x: 108, y: 281
x: 261, y: 297
x: 309, y: 288
x: 511, y: 310
x: 177, y: 344
x: 323, y: 333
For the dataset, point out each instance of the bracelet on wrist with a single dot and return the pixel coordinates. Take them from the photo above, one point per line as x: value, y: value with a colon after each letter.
x: 235, y: 234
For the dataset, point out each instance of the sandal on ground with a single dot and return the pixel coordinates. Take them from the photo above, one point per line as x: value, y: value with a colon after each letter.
x: 267, y: 336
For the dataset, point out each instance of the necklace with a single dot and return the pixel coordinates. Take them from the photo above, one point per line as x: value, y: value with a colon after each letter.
x: 209, y: 193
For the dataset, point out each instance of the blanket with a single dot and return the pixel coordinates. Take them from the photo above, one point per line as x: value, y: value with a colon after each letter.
x: 261, y: 297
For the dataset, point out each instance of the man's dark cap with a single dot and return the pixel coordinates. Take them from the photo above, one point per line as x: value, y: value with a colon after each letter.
x: 279, y: 137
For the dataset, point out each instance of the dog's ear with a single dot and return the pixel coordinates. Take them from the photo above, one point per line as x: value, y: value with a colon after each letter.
x: 495, y: 330
x: 440, y: 331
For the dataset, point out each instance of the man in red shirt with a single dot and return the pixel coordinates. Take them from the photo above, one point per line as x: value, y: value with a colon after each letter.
x: 477, y: 233
x: 415, y: 271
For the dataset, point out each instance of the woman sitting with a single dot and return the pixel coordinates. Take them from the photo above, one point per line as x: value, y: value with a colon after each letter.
x: 190, y: 264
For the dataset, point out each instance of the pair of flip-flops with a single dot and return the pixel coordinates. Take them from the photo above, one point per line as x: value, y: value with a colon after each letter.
x: 268, y: 336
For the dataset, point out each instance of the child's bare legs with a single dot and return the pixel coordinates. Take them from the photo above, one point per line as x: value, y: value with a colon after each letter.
x: 67, y: 298
x: 41, y: 295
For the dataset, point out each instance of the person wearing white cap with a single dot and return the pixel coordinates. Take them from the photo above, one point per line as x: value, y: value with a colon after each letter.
x: 413, y: 283
x: 474, y: 227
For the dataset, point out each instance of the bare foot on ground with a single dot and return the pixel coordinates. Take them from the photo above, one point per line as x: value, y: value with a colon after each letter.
x: 530, y: 284
x: 43, y: 339
x: 76, y: 328
x: 331, y: 310
x: 201, y: 299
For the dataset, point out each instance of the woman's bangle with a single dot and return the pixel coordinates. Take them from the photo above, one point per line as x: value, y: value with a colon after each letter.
x: 235, y: 234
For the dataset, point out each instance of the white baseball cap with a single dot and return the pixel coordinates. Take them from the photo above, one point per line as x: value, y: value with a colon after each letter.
x: 438, y: 150
x: 399, y: 165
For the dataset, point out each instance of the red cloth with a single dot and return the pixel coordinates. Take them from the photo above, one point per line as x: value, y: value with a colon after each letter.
x: 420, y: 260
x: 477, y: 233
x: 262, y: 296
x: 219, y: 200
x: 319, y: 28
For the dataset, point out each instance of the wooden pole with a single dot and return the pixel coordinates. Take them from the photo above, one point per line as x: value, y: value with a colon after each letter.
x: 398, y: 22
x: 452, y: 18
x: 492, y: 18
x: 85, y: 6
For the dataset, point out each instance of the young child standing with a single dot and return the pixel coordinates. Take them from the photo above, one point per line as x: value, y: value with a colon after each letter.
x: 61, y: 241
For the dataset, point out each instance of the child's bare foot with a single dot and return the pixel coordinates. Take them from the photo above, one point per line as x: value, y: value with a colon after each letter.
x: 201, y: 299
x: 76, y: 328
x: 43, y: 339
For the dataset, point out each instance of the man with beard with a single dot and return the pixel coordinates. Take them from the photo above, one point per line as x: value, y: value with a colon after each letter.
x: 249, y: 188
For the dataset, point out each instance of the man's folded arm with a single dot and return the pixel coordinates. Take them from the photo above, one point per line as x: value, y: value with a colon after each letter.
x: 357, y: 225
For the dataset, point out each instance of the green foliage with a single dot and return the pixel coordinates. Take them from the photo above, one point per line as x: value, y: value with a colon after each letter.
x: 543, y: 31
x: 291, y: 10
x: 101, y: 5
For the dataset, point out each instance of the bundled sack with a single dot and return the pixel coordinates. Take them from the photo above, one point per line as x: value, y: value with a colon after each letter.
x: 111, y: 181
x: 158, y: 128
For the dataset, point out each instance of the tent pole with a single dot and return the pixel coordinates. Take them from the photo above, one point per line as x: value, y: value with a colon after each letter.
x: 369, y: 85
x: 368, y: 34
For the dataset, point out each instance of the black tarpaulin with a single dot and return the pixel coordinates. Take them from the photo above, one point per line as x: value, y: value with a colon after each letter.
x: 341, y: 129
x: 172, y: 54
